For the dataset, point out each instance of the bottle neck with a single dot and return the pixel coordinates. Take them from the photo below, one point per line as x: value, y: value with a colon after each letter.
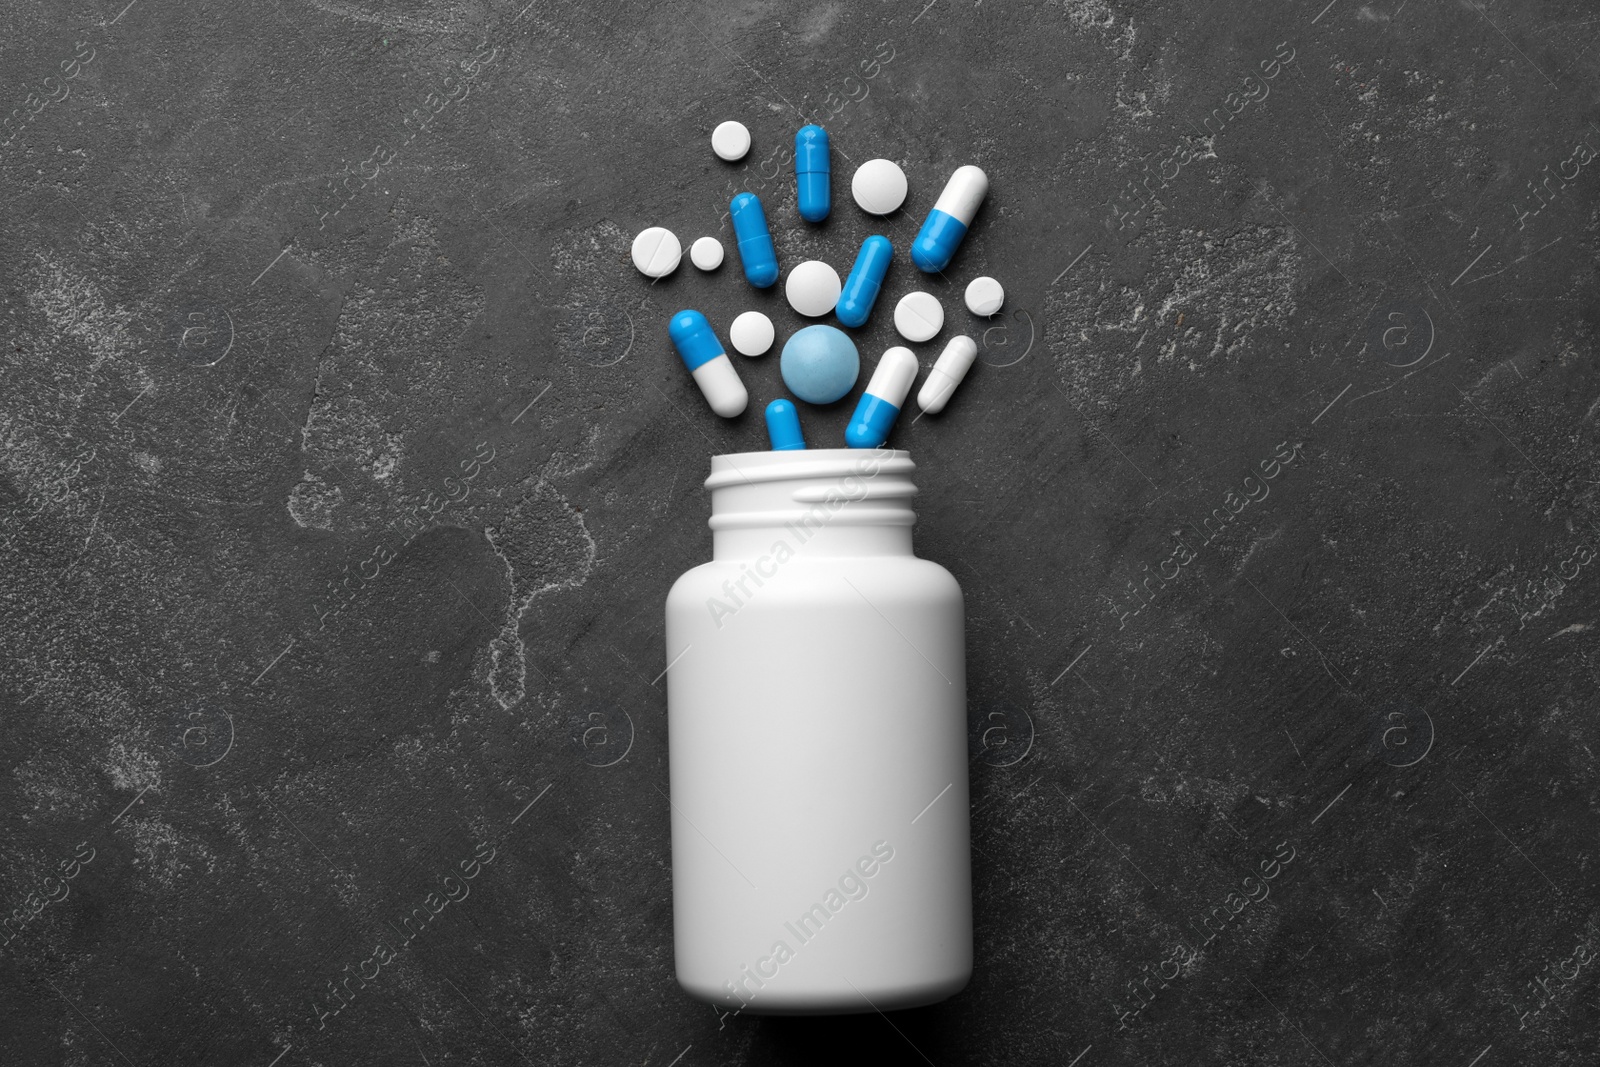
x: 823, y: 502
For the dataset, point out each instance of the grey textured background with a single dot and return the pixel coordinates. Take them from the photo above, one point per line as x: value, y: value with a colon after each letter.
x: 304, y: 604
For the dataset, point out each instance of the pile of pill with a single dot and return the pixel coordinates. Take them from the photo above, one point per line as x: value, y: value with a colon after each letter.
x: 820, y: 363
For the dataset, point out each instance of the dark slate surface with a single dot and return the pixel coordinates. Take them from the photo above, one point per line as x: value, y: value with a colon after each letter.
x: 279, y: 277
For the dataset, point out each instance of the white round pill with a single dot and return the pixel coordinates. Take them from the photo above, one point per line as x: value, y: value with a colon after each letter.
x: 813, y: 288
x: 706, y: 253
x: 751, y: 334
x: 656, y: 252
x: 918, y: 316
x: 984, y: 296
x: 879, y: 186
x: 730, y: 141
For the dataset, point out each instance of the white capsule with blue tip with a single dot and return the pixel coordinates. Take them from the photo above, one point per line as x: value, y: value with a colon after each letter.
x: 947, y: 223
x: 708, y: 363
x: 880, y: 404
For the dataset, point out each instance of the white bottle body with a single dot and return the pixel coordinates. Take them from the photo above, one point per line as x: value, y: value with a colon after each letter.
x: 817, y: 737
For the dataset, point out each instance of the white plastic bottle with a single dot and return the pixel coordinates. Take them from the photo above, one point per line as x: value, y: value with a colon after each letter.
x: 816, y: 702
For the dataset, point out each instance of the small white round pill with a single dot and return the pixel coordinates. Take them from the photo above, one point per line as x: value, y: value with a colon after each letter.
x: 730, y: 141
x: 706, y: 253
x: 879, y: 186
x: 656, y: 252
x: 984, y: 296
x: 813, y: 288
x: 751, y: 334
x: 918, y: 316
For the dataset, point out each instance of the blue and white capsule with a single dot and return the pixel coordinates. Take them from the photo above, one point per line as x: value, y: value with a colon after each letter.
x: 866, y: 279
x: 708, y: 364
x: 783, y: 427
x: 880, y: 404
x: 812, y: 171
x: 947, y: 223
x: 757, y: 254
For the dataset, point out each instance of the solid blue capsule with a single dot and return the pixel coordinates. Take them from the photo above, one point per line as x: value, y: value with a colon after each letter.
x: 783, y: 427
x: 866, y: 278
x: 757, y: 253
x: 947, y: 223
x: 811, y: 172
x: 880, y: 405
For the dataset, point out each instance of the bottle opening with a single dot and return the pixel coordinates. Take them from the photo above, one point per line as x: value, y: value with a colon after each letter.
x: 751, y: 468
x: 846, y: 500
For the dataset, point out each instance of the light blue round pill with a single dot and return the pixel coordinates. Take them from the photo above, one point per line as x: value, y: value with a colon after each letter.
x: 820, y: 364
